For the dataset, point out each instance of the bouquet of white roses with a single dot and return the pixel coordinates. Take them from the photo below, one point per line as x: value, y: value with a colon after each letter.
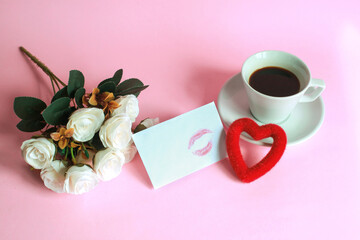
x: 85, y: 137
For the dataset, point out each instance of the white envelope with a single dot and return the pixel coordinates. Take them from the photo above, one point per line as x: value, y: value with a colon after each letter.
x: 180, y: 146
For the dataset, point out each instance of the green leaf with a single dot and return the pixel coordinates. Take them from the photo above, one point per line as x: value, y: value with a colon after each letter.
x: 65, y: 115
x: 55, y: 113
x: 105, y: 81
x: 107, y: 87
x: 117, y: 76
x: 115, y: 79
x: 31, y: 125
x: 86, y: 153
x: 135, y: 91
x: 28, y: 107
x: 129, y: 83
x: 76, y: 81
x: 61, y: 93
x: 96, y: 142
x: 78, y: 97
x: 63, y: 151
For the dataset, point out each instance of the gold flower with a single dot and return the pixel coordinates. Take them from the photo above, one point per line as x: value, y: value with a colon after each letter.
x: 104, y: 100
x: 62, y: 136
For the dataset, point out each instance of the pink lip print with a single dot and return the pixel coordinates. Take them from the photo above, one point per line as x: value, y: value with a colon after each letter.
x: 205, y: 150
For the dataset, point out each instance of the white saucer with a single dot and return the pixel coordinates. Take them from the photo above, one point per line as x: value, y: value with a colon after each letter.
x: 302, y: 124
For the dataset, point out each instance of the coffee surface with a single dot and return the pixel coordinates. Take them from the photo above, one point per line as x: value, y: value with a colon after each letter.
x: 275, y: 81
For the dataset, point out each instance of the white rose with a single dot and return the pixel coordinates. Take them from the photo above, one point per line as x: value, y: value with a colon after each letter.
x: 149, y: 122
x: 116, y: 131
x: 38, y: 152
x: 129, y: 105
x: 53, y: 176
x: 108, y: 163
x: 85, y: 122
x: 80, y: 179
x: 129, y: 152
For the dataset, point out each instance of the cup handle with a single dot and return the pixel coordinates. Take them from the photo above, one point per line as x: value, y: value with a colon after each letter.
x: 314, y: 90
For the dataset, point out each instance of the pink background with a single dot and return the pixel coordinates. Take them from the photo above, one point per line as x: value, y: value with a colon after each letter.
x: 186, y: 50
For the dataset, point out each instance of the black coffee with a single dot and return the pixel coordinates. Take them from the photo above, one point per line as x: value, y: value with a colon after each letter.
x: 275, y: 81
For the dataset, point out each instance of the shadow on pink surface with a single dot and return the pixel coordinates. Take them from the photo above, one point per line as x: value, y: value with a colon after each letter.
x: 137, y: 169
x: 225, y: 167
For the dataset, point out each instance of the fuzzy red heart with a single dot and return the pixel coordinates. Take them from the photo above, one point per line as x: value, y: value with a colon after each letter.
x: 243, y: 172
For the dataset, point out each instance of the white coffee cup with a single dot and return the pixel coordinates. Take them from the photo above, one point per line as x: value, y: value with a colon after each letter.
x: 270, y: 109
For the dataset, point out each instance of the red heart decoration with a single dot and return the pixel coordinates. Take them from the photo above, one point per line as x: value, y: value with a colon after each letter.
x: 257, y: 132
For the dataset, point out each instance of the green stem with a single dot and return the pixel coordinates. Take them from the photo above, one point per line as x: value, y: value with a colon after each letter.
x: 61, y: 82
x: 52, y: 84
x: 72, y: 155
x: 83, y: 145
x: 41, y: 65
x: 66, y: 153
x: 57, y: 84
x: 86, y: 152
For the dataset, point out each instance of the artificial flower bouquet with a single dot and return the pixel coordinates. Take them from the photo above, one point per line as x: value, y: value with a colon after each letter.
x: 84, y: 137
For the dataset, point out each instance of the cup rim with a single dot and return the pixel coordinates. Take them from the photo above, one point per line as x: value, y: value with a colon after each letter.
x: 273, y: 97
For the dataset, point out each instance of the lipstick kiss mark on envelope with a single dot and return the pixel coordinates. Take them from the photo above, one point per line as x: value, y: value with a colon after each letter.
x: 180, y: 146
